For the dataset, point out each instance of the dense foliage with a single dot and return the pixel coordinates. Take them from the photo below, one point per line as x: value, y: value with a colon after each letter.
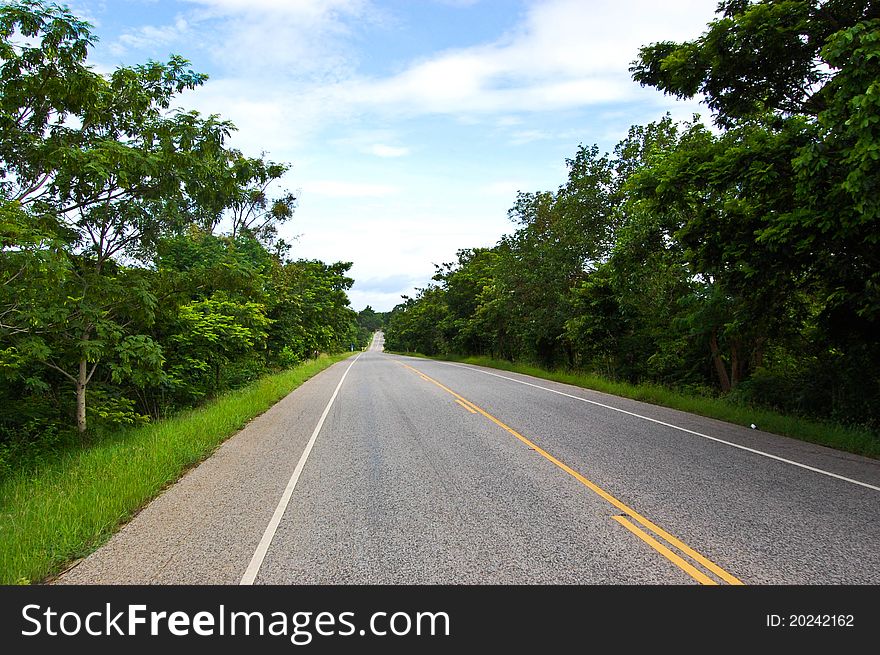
x: 740, y: 260
x: 139, y: 260
x: 369, y: 320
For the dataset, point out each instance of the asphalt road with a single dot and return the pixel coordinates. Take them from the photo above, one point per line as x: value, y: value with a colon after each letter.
x: 428, y: 472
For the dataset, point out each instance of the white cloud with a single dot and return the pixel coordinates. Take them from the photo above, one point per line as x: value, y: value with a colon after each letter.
x: 378, y: 300
x: 509, y: 121
x: 290, y: 67
x: 345, y: 189
x: 523, y: 137
x: 287, y: 39
x: 381, y: 150
x: 278, y: 119
x: 564, y: 55
x: 386, y: 284
x: 400, y: 249
x: 504, y: 188
x: 149, y: 35
x: 314, y: 9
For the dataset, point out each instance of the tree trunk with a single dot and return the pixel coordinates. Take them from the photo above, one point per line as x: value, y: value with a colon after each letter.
x: 81, y: 384
x: 735, y: 364
x: 718, y: 362
x: 758, y: 355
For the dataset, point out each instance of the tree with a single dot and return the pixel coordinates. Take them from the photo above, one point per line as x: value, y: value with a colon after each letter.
x: 756, y: 58
x: 624, y: 312
x: 414, y: 325
x: 561, y: 237
x: 371, y: 320
x: 101, y: 161
x: 795, y: 84
x: 211, y: 334
x: 232, y: 190
x: 715, y: 195
x: 140, y: 264
x: 310, y: 309
x: 837, y: 175
x: 468, y: 285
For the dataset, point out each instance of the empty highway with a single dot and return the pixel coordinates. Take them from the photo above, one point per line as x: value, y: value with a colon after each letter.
x: 390, y: 469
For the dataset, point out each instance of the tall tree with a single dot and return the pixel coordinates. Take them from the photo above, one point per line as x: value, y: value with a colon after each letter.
x: 100, y: 159
x: 758, y: 57
x: 795, y: 83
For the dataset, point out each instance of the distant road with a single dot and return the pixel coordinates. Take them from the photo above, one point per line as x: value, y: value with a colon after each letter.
x: 389, y: 469
x: 378, y: 342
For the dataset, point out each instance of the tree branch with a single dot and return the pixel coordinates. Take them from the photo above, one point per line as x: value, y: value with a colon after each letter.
x: 34, y: 187
x: 92, y: 201
x: 60, y: 370
x: 91, y: 373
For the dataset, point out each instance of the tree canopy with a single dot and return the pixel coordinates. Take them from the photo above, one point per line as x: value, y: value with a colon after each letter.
x: 140, y: 262
x: 740, y: 260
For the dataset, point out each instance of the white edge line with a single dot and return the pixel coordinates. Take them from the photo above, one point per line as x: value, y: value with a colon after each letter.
x: 263, y: 547
x: 670, y: 425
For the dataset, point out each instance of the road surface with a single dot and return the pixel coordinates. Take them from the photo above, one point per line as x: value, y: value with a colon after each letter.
x: 390, y: 469
x: 378, y: 342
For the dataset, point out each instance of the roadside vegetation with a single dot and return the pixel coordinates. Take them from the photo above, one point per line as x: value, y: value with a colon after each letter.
x: 737, y: 266
x: 148, y: 307
x: 141, y: 272
x: 77, y: 498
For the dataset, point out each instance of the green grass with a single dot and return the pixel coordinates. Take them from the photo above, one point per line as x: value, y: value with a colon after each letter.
x: 68, y: 507
x: 849, y: 439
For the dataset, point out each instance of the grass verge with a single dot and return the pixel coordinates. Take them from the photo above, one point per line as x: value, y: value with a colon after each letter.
x: 849, y: 439
x: 68, y: 507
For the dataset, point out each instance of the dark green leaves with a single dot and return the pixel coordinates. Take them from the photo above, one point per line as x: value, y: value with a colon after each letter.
x: 757, y: 58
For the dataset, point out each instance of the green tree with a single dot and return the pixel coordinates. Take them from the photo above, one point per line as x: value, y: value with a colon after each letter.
x: 370, y: 319
x: 211, y: 334
x: 561, y: 237
x: 103, y: 161
x: 758, y: 57
x: 716, y: 195
x: 212, y: 291
x: 310, y: 309
x: 795, y: 84
x: 468, y: 285
x: 140, y: 264
x: 622, y: 312
x: 414, y: 325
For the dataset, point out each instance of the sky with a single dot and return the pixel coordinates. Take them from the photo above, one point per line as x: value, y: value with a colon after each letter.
x: 409, y: 125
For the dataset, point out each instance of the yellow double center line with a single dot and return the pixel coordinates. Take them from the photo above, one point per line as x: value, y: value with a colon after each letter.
x: 628, y: 512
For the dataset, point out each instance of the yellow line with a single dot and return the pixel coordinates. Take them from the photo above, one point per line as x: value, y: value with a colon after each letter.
x: 467, y: 407
x: 656, y: 529
x: 685, y: 566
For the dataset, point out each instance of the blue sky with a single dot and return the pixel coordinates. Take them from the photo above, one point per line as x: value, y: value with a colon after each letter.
x: 410, y: 124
